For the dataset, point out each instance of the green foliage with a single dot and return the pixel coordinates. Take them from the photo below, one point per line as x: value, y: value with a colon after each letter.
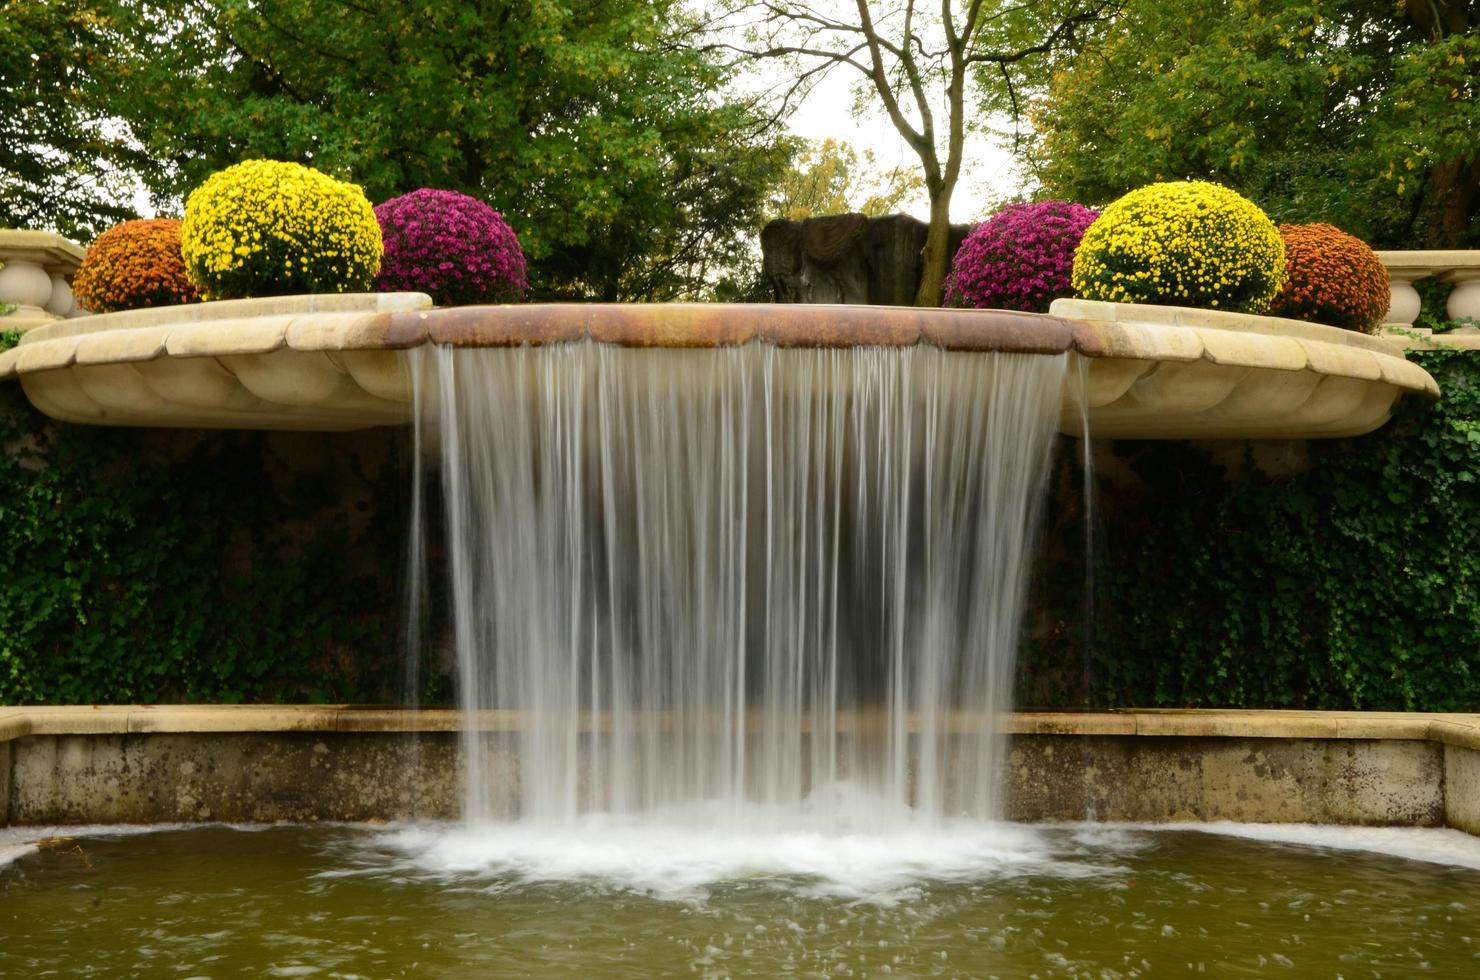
x: 598, y: 129
x: 830, y: 177
x: 1356, y: 113
x: 63, y: 165
x: 158, y: 566
x: 1355, y: 584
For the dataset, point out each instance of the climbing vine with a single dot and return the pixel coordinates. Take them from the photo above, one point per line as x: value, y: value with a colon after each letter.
x: 1352, y: 584
x: 161, y: 566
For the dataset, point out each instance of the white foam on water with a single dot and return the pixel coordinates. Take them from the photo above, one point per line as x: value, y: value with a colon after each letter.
x: 681, y: 852
x: 10, y: 853
x: 1432, y: 845
x: 19, y: 842
x: 675, y: 856
x: 674, y: 859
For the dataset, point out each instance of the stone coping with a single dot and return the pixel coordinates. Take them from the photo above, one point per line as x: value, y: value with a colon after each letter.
x: 47, y: 249
x: 232, y: 309
x: 1430, y: 261
x: 1146, y: 314
x: 412, y: 322
x: 400, y: 321
x: 1409, y: 338
x: 1461, y: 730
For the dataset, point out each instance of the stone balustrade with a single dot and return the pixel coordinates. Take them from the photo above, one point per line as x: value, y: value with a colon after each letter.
x: 1458, y: 266
x: 36, y: 269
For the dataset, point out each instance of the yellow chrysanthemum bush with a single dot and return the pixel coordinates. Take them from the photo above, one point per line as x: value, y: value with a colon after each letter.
x: 1190, y: 243
x: 266, y: 228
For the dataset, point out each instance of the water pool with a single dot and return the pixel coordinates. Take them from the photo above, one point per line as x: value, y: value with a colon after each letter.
x: 435, y: 900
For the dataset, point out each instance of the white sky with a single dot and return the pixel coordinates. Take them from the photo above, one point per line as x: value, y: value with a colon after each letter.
x: 989, y: 174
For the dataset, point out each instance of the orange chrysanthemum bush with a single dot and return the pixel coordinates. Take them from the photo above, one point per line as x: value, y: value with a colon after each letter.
x: 134, y: 265
x: 1333, y: 278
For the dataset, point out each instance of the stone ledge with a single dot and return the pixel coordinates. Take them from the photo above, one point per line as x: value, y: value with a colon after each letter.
x: 265, y: 763
x: 47, y: 249
x: 1409, y: 338
x: 1462, y: 730
x: 1167, y: 372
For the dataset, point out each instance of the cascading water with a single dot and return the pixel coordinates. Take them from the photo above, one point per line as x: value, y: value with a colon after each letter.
x: 779, y: 584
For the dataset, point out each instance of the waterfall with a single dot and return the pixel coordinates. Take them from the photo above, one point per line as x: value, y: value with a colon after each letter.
x: 785, y: 584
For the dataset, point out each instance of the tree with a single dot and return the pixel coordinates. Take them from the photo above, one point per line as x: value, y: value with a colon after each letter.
x: 61, y: 164
x: 597, y: 128
x: 830, y: 177
x: 919, y: 65
x: 1358, y: 113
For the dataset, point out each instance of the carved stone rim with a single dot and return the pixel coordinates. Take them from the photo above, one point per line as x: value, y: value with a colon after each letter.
x: 1153, y: 372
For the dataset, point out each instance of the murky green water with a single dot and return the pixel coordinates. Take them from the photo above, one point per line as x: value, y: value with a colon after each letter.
x: 362, y: 902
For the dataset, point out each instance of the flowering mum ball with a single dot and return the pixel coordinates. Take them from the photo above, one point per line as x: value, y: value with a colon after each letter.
x: 450, y: 245
x: 1020, y: 258
x: 266, y: 228
x: 1189, y: 243
x: 1333, y: 278
x: 132, y: 266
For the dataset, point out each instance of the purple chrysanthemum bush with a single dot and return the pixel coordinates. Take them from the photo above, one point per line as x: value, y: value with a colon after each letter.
x: 451, y: 246
x: 1021, y: 258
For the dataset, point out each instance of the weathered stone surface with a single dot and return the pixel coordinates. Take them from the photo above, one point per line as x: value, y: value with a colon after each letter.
x: 1462, y: 788
x: 5, y: 770
x: 847, y: 258
x: 1210, y: 374
x: 1200, y: 778
x: 256, y: 777
x: 265, y: 763
x: 1028, y: 333
x: 236, y: 309
x: 509, y: 326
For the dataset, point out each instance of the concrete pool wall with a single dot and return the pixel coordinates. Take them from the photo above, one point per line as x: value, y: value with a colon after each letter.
x: 133, y: 764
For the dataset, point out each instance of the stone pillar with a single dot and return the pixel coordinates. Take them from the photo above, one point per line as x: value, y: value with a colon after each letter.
x: 1404, y: 307
x: 1464, y: 302
x: 35, y: 267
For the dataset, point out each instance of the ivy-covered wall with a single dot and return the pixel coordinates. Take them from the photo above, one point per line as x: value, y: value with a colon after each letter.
x: 143, y: 565
x: 1223, y: 577
x: 178, y: 566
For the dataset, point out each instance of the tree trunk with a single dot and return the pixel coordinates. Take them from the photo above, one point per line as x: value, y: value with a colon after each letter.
x: 1451, y: 201
x: 936, y: 255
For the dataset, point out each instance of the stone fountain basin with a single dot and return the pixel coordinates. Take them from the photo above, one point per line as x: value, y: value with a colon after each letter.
x: 339, y: 362
x: 266, y: 763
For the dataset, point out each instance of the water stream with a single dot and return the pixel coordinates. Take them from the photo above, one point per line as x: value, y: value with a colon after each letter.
x: 755, y: 585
